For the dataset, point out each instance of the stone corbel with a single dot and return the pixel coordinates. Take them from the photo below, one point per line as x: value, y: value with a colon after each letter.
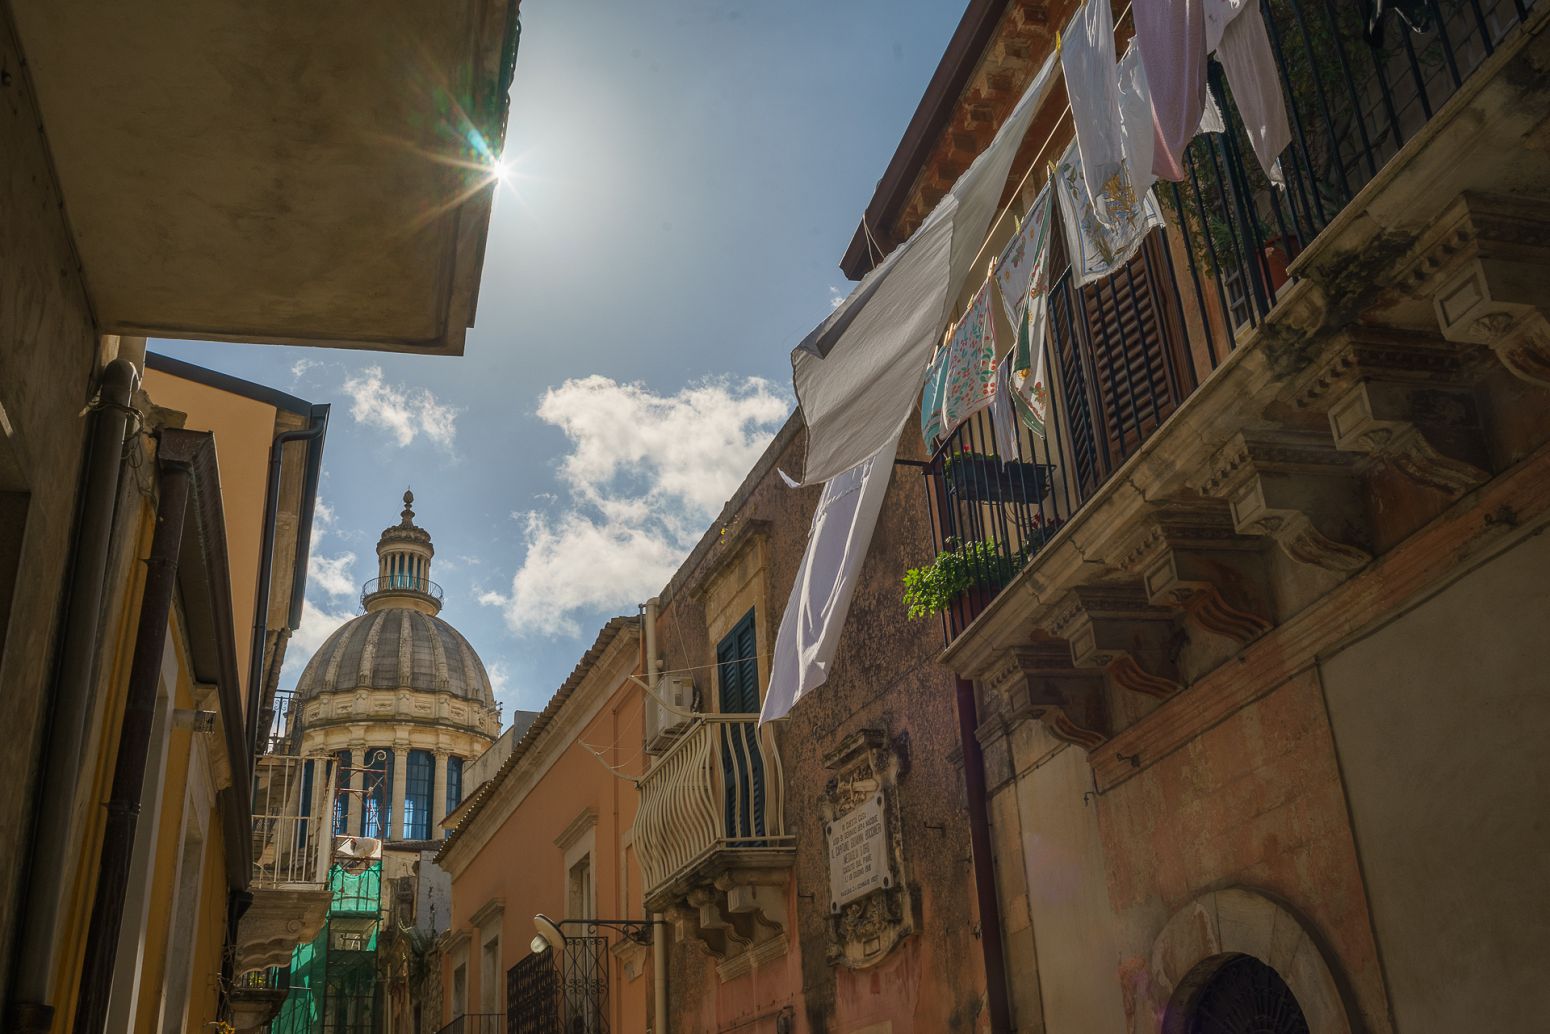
x: 1189, y: 555
x: 756, y: 901
x: 1042, y: 681
x: 1485, y: 265
x: 707, y: 921
x: 1116, y: 628
x: 1402, y: 399
x: 1297, y: 489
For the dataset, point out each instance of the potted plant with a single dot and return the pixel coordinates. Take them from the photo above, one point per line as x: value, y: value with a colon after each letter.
x: 977, y: 477
x: 958, y: 571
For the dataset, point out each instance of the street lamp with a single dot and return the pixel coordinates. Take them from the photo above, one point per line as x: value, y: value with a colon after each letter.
x: 552, y: 935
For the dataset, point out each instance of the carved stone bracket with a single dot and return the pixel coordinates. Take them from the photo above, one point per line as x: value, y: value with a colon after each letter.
x: 1403, y: 399
x: 1116, y: 628
x: 875, y: 909
x: 1189, y: 555
x: 1296, y: 488
x: 1040, y: 680
x: 743, y: 909
x: 1485, y: 265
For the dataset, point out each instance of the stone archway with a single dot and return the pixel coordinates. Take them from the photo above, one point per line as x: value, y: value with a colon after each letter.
x: 1219, y: 926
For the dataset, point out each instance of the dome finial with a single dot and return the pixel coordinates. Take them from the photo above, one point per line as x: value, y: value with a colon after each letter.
x: 408, y: 511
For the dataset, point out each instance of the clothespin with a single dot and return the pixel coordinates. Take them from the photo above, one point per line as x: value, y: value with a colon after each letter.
x: 1057, y: 41
x: 990, y: 270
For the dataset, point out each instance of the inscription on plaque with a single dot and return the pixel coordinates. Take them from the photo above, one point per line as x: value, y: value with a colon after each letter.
x: 858, y: 858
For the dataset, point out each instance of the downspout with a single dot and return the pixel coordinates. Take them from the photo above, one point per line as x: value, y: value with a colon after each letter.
x: 133, y: 746
x: 984, y: 863
x: 49, y: 862
x: 658, y: 927
x: 256, y: 679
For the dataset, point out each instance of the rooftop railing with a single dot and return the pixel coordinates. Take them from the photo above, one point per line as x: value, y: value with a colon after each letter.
x: 1123, y: 354
x: 401, y: 583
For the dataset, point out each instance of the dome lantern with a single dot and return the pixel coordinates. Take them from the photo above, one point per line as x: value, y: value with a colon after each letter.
x: 404, y: 553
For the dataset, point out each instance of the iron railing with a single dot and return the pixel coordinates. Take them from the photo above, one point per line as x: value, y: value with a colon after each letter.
x: 476, y: 1023
x: 533, y: 1003
x: 1123, y: 353
x: 401, y: 583
x: 719, y: 787
x: 292, y: 841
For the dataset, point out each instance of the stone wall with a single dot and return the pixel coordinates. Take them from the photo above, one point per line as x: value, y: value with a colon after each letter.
x: 48, y: 361
x: 886, y: 682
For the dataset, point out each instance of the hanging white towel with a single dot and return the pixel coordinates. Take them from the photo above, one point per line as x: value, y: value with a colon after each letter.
x: 1022, y: 274
x: 1002, y: 420
x: 1097, y: 250
x: 1092, y: 85
x: 858, y: 373
x: 1170, y: 35
x: 837, y: 543
x: 1250, y: 67
x: 1137, y: 126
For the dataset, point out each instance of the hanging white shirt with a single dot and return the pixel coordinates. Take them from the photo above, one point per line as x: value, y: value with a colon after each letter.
x: 1138, y: 129
x: 1250, y: 67
x: 837, y: 544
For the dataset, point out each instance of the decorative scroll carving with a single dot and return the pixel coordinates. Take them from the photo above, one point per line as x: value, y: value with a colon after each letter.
x: 1190, y: 555
x: 1297, y: 489
x: 1381, y: 420
x: 860, y: 810
x: 1041, y: 681
x: 1116, y: 628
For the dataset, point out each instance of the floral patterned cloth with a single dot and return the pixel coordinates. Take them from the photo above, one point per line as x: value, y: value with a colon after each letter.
x: 969, y: 383
x: 1022, y: 274
x: 1098, y: 249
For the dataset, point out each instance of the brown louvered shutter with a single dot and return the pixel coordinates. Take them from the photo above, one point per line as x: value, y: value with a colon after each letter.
x: 1120, y: 347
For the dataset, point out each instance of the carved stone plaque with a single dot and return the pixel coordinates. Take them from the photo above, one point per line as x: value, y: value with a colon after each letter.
x: 858, y: 853
x: 871, y: 906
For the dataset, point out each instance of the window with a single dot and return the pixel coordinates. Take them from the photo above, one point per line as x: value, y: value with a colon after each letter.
x: 459, y: 990
x: 490, y: 976
x: 342, y: 796
x: 742, y: 765
x: 377, y: 802
x: 578, y: 890
x: 417, y: 795
x: 454, y: 784
x: 304, y: 808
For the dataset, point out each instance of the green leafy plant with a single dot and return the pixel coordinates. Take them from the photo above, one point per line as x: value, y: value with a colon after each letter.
x: 932, y: 589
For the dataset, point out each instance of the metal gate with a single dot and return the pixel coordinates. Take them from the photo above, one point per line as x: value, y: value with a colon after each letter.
x: 585, y: 982
x: 533, y: 996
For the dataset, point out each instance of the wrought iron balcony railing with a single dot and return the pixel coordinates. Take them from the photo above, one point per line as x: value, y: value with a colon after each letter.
x: 401, y: 583
x: 719, y: 788
x: 292, y: 842
x: 1122, y: 354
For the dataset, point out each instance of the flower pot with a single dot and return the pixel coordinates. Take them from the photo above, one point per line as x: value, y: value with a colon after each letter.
x: 985, y: 479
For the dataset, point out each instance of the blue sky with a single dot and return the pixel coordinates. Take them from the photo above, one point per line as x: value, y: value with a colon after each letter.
x: 687, y: 175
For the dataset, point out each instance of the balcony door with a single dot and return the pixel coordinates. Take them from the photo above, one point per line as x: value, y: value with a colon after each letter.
x: 737, y: 672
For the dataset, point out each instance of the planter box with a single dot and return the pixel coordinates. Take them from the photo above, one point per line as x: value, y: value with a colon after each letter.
x: 985, y: 479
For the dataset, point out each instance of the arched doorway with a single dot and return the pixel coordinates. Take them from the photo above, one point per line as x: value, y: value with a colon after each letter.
x: 1243, y: 996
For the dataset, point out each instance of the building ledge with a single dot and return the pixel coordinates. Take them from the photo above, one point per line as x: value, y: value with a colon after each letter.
x: 279, y: 920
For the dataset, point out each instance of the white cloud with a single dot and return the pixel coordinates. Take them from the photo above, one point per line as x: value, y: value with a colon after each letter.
x: 333, y: 574
x: 836, y: 297
x: 317, y: 624
x: 500, y: 683
x: 405, y: 412
x: 644, y: 475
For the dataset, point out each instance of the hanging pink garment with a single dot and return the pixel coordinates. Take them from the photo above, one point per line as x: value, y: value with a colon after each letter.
x: 1171, y: 35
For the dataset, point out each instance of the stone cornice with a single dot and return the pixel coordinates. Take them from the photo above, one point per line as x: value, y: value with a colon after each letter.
x: 577, y: 829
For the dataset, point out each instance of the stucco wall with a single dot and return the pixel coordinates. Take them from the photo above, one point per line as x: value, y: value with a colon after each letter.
x: 1441, y: 722
x: 885, y: 677
x: 48, y: 358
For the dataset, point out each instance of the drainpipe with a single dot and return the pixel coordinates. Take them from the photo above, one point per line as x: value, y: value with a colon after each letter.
x: 658, y: 928
x: 256, y: 673
x: 134, y: 743
x: 984, y: 864
x: 50, y: 864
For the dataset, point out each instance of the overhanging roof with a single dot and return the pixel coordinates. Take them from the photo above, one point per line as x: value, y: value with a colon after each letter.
x: 299, y: 173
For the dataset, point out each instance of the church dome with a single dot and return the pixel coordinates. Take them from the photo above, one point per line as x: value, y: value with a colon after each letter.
x: 397, y: 648
x: 399, y: 643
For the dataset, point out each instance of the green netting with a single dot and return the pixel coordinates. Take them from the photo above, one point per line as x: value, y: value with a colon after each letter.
x: 333, y: 979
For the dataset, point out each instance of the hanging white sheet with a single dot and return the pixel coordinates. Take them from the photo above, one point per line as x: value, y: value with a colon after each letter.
x: 1138, y: 129
x: 858, y: 373
x: 837, y: 544
x: 1022, y: 274
x: 1250, y: 67
x: 1097, y: 250
x: 1170, y: 34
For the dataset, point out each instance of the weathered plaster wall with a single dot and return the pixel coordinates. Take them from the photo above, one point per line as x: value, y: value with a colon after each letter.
x: 885, y: 678
x: 48, y: 358
x: 1254, y: 802
x: 1444, y: 755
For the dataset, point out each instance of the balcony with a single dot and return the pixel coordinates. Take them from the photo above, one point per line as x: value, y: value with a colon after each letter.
x: 402, y: 584
x: 484, y: 1023
x: 292, y: 852
x: 1279, y: 391
x: 1374, y: 235
x: 711, y: 837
